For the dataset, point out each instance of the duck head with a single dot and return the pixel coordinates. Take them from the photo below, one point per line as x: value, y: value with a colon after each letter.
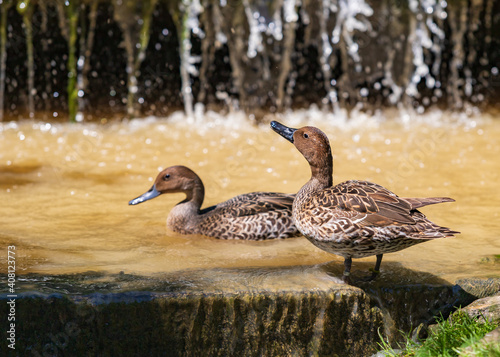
x: 175, y: 179
x: 313, y: 144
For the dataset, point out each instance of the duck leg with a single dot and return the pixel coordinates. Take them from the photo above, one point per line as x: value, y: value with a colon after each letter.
x: 376, y: 270
x: 346, y: 277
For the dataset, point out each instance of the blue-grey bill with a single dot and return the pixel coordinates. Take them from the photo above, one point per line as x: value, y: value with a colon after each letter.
x: 152, y: 193
x: 283, y: 130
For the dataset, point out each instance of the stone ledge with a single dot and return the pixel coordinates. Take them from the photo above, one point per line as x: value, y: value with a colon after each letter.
x: 279, y: 311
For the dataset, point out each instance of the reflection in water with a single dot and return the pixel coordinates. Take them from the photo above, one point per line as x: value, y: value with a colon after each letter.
x: 65, y: 190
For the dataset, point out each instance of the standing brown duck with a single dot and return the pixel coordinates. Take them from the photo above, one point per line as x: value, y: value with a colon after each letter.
x: 354, y: 219
x: 252, y: 216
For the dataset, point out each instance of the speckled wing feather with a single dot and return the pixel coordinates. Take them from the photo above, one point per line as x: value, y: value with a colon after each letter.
x: 258, y: 202
x: 359, y: 218
x: 252, y: 216
x: 374, y: 203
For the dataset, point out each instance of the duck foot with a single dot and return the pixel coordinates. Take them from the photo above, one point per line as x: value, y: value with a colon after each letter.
x: 375, y: 271
x: 347, y: 279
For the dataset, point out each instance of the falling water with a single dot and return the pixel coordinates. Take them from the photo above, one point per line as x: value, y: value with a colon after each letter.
x: 190, y: 24
x: 26, y: 10
x: 86, y: 43
x: 136, y: 37
x: 3, y: 54
x: 273, y: 56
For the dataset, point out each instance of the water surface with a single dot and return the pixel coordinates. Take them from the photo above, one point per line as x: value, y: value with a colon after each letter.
x: 65, y: 189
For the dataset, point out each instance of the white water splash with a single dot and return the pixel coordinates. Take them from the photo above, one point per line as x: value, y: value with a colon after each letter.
x: 427, y: 36
x: 351, y: 17
x: 255, y: 37
x: 347, y: 22
x: 191, y: 24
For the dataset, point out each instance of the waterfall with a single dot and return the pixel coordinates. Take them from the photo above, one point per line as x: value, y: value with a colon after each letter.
x: 3, y: 53
x: 26, y: 10
x: 191, y: 10
x: 136, y: 38
x: 262, y: 56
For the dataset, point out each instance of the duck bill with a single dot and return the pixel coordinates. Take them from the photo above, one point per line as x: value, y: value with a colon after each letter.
x: 283, y: 130
x: 152, y: 193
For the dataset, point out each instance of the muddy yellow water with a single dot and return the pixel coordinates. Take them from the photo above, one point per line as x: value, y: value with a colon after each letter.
x: 64, y: 189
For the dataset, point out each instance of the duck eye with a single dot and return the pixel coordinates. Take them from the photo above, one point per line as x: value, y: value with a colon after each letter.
x: 306, y: 136
x: 166, y: 177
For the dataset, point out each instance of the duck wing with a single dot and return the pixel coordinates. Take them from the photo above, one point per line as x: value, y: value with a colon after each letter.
x: 421, y: 202
x: 258, y: 202
x: 367, y: 204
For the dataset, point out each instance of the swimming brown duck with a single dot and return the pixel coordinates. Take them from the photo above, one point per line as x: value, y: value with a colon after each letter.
x: 354, y: 219
x: 252, y: 216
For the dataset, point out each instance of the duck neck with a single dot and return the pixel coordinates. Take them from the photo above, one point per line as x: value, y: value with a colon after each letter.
x: 195, y: 195
x: 183, y: 218
x: 322, y: 172
x: 321, y: 178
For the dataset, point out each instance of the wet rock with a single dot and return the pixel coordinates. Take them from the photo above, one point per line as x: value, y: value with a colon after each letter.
x: 480, y: 288
x: 298, y: 310
x: 491, y: 259
x: 339, y: 321
x: 486, y: 308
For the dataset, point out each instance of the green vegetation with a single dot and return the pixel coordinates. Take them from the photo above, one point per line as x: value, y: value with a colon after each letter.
x: 456, y: 336
x: 72, y: 13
